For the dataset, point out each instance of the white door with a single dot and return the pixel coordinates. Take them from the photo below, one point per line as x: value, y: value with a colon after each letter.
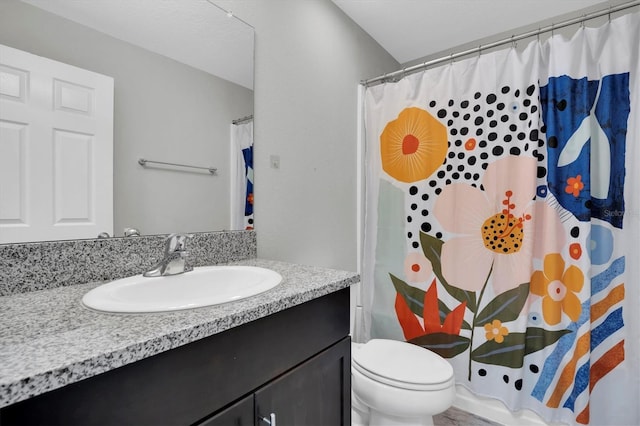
x: 56, y: 150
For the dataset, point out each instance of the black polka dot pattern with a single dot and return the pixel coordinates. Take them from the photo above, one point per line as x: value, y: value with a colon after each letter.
x: 575, y: 232
x: 482, y: 128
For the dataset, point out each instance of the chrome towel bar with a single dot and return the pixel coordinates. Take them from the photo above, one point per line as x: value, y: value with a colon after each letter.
x: 144, y: 162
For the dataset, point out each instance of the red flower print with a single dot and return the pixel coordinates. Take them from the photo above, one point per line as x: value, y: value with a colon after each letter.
x: 575, y: 250
x: 470, y: 144
x: 417, y: 267
x: 411, y: 326
x: 574, y: 185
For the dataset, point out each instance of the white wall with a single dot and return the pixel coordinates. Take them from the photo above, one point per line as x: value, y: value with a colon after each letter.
x: 310, y: 58
x: 164, y: 110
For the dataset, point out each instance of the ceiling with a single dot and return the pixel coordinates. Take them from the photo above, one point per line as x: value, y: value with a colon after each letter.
x: 201, y: 34
x: 195, y: 32
x: 414, y: 29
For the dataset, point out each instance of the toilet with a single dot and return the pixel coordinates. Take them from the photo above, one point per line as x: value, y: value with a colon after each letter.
x: 398, y: 383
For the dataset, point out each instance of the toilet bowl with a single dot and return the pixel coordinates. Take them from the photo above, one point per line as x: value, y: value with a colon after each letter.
x: 398, y: 383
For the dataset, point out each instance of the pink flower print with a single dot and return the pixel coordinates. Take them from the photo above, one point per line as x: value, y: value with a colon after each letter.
x: 497, y: 230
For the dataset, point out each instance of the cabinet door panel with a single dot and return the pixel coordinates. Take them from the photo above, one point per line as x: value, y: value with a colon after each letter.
x: 317, y: 392
x: 239, y: 414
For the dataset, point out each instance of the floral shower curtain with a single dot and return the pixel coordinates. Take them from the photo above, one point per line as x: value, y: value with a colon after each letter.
x: 502, y: 216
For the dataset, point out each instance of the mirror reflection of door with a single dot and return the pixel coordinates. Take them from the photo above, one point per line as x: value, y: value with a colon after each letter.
x: 56, y: 149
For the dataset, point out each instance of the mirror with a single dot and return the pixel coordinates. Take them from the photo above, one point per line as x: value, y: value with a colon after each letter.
x: 182, y: 71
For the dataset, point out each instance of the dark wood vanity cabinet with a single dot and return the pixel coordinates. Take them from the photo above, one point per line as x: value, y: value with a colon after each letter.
x: 241, y: 413
x: 312, y: 393
x: 294, y: 364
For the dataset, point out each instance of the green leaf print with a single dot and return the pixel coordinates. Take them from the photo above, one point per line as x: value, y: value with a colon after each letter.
x: 412, y: 295
x: 445, y: 345
x: 509, y: 353
x: 539, y: 338
x: 505, y: 307
x: 432, y: 248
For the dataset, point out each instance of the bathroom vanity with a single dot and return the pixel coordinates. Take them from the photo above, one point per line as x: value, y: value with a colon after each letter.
x: 282, y: 355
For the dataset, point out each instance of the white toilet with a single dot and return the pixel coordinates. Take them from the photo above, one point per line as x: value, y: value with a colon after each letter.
x: 398, y: 383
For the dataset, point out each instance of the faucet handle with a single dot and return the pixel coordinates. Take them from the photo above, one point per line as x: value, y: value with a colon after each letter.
x: 177, y: 242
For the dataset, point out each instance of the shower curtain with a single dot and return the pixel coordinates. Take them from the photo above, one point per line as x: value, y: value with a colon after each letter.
x: 501, y: 227
x: 242, y: 179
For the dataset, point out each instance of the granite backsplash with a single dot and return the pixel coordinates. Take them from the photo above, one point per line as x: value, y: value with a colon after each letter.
x: 35, y: 266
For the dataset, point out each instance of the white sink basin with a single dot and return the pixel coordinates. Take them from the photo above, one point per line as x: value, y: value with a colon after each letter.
x: 204, y: 286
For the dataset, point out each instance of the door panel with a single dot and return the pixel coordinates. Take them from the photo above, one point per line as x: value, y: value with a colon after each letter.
x: 13, y: 173
x: 72, y: 187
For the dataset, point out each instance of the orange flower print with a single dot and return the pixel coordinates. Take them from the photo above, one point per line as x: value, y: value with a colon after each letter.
x: 557, y: 287
x: 413, y: 146
x: 495, y: 331
x: 574, y: 185
x: 250, y: 198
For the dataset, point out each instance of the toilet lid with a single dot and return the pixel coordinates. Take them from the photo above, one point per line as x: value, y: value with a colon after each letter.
x: 402, y: 364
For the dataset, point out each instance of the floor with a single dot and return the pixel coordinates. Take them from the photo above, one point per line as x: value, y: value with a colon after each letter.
x: 456, y: 417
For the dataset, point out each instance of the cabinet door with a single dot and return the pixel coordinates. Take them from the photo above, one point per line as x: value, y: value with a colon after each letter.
x: 239, y: 414
x: 317, y: 392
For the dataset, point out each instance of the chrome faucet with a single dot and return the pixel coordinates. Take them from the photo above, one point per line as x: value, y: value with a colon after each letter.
x: 175, y: 257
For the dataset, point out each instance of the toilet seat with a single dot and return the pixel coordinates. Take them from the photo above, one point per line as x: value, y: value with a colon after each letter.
x: 402, y: 365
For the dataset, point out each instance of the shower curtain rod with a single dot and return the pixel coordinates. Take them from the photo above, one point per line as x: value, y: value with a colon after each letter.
x: 397, y: 75
x: 243, y: 119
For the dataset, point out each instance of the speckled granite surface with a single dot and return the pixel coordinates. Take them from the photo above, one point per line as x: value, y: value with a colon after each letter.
x: 48, y: 339
x: 45, y: 265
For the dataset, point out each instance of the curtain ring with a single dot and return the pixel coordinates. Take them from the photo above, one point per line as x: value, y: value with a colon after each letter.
x: 479, y: 50
x: 552, y: 30
x: 610, y: 7
x: 582, y: 22
x: 513, y: 42
x: 451, y: 58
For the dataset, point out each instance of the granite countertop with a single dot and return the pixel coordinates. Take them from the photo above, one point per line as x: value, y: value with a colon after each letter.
x: 49, y: 340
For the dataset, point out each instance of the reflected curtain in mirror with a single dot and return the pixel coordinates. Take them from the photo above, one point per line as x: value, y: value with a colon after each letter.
x: 242, y: 179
